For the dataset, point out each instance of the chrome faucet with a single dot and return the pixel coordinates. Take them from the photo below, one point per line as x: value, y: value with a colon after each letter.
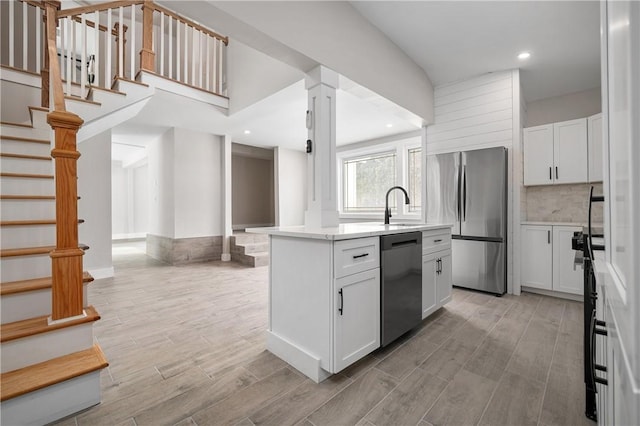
x: 387, y: 210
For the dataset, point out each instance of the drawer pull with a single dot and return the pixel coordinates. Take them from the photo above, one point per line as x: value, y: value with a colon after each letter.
x: 358, y: 256
x: 438, y: 240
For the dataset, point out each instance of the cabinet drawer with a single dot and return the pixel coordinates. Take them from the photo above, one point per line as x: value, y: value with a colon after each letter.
x: 436, y: 240
x: 353, y: 256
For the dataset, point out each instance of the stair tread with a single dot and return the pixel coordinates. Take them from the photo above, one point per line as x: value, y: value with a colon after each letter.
x: 38, y: 376
x: 9, y: 123
x: 24, y: 156
x: 24, y: 286
x: 27, y: 197
x: 21, y: 139
x: 79, y: 99
x: 26, y: 251
x: 38, y: 325
x: 31, y: 222
x: 26, y: 175
x: 19, y: 70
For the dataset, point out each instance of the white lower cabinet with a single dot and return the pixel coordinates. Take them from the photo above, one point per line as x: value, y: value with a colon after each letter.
x: 547, y: 259
x: 356, y: 317
x: 436, y: 271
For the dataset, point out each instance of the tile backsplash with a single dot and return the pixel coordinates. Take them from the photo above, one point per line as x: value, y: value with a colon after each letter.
x: 563, y: 203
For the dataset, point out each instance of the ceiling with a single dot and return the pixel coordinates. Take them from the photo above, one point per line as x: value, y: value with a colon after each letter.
x: 455, y: 40
x: 450, y: 40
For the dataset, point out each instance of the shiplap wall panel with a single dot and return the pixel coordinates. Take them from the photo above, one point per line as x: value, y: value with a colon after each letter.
x: 472, y: 114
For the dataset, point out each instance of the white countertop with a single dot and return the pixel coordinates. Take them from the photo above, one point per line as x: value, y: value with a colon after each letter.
x: 347, y: 231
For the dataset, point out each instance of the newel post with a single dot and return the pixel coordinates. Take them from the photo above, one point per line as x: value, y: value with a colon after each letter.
x: 67, y: 256
x: 147, y: 56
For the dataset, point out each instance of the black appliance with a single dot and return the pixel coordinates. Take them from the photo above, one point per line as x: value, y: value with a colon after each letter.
x: 401, y: 284
x: 583, y: 243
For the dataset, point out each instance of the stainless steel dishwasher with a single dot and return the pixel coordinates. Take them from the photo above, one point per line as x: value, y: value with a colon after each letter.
x: 401, y: 286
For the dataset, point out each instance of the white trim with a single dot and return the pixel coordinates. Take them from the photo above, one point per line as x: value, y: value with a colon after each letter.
x: 306, y: 363
x: 51, y: 321
x: 101, y: 273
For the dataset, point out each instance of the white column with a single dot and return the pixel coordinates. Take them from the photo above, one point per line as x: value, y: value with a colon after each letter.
x: 322, y: 206
x: 226, y: 195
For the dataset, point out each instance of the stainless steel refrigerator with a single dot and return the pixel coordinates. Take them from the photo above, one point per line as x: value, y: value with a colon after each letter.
x: 469, y: 189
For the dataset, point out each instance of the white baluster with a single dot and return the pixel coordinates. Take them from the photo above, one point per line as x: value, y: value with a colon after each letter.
x: 186, y: 53
x: 200, y: 52
x: 69, y: 37
x: 132, y: 42
x: 25, y: 36
x: 208, y: 58
x: 38, y: 27
x: 96, y: 49
x: 178, y: 67
x: 11, y: 36
x: 161, y: 67
x: 62, y: 47
x: 214, y: 68
x: 194, y: 55
x: 121, y: 42
x: 73, y: 51
x: 220, y: 54
x: 107, y: 68
x: 170, y: 64
x: 83, y: 54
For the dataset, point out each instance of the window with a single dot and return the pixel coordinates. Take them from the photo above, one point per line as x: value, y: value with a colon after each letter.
x: 366, y: 180
x: 414, y: 178
x: 367, y: 173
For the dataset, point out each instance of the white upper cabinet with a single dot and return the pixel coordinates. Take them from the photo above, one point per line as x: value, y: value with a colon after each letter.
x: 594, y: 136
x: 556, y: 153
x: 538, y: 155
x: 570, y: 151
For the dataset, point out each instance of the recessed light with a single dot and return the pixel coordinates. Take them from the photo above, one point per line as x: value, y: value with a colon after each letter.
x: 389, y: 125
x: 247, y: 132
x: 524, y: 55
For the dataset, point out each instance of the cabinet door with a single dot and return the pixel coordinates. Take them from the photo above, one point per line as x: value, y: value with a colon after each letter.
x: 594, y: 141
x: 566, y: 278
x: 357, y: 317
x: 570, y: 151
x: 443, y: 281
x: 429, y: 268
x: 536, y: 256
x: 538, y: 155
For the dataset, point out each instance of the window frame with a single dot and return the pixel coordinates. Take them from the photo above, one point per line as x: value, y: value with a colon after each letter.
x: 401, y: 149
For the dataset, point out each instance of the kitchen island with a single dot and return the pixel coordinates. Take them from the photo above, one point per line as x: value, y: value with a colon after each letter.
x: 324, y: 290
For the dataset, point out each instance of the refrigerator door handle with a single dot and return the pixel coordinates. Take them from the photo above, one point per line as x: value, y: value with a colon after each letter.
x: 464, y: 193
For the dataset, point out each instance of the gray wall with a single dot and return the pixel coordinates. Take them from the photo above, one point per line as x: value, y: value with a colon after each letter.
x: 563, y: 108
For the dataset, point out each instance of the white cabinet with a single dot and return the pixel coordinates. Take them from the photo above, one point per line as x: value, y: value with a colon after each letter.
x: 356, y: 317
x: 594, y: 140
x: 536, y: 258
x: 566, y: 277
x: 556, y: 153
x: 547, y: 259
x: 436, y: 270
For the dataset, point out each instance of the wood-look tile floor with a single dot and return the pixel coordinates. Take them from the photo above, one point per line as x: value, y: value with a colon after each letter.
x: 186, y: 346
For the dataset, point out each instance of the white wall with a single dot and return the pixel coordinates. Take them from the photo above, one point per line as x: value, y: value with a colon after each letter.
x: 198, y: 184
x: 94, y: 188
x: 129, y: 200
x: 161, y: 185
x: 252, y: 191
x: 119, y: 199
x: 17, y: 94
x: 140, y: 198
x: 563, y: 108
x: 291, y: 186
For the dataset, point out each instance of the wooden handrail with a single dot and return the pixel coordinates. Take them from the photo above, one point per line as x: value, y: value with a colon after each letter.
x: 97, y: 7
x: 51, y: 8
x: 189, y: 22
x: 34, y: 3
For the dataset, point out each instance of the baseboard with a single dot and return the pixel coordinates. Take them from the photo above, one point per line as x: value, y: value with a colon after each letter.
x: 558, y: 294
x: 101, y: 273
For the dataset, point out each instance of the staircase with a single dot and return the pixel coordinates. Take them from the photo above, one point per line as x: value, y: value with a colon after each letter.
x: 250, y: 249
x: 49, y: 370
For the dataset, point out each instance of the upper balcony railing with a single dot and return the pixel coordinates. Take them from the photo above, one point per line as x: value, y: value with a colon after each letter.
x: 100, y: 43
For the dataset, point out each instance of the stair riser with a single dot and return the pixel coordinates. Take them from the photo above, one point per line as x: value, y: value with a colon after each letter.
x: 27, y: 186
x: 54, y: 402
x: 25, y: 132
x: 24, y: 267
x: 39, y: 119
x: 28, y: 209
x: 24, y: 165
x: 250, y: 260
x: 249, y: 239
x: 28, y: 236
x: 42, y: 347
x: 255, y: 248
x: 27, y: 148
x: 21, y: 306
